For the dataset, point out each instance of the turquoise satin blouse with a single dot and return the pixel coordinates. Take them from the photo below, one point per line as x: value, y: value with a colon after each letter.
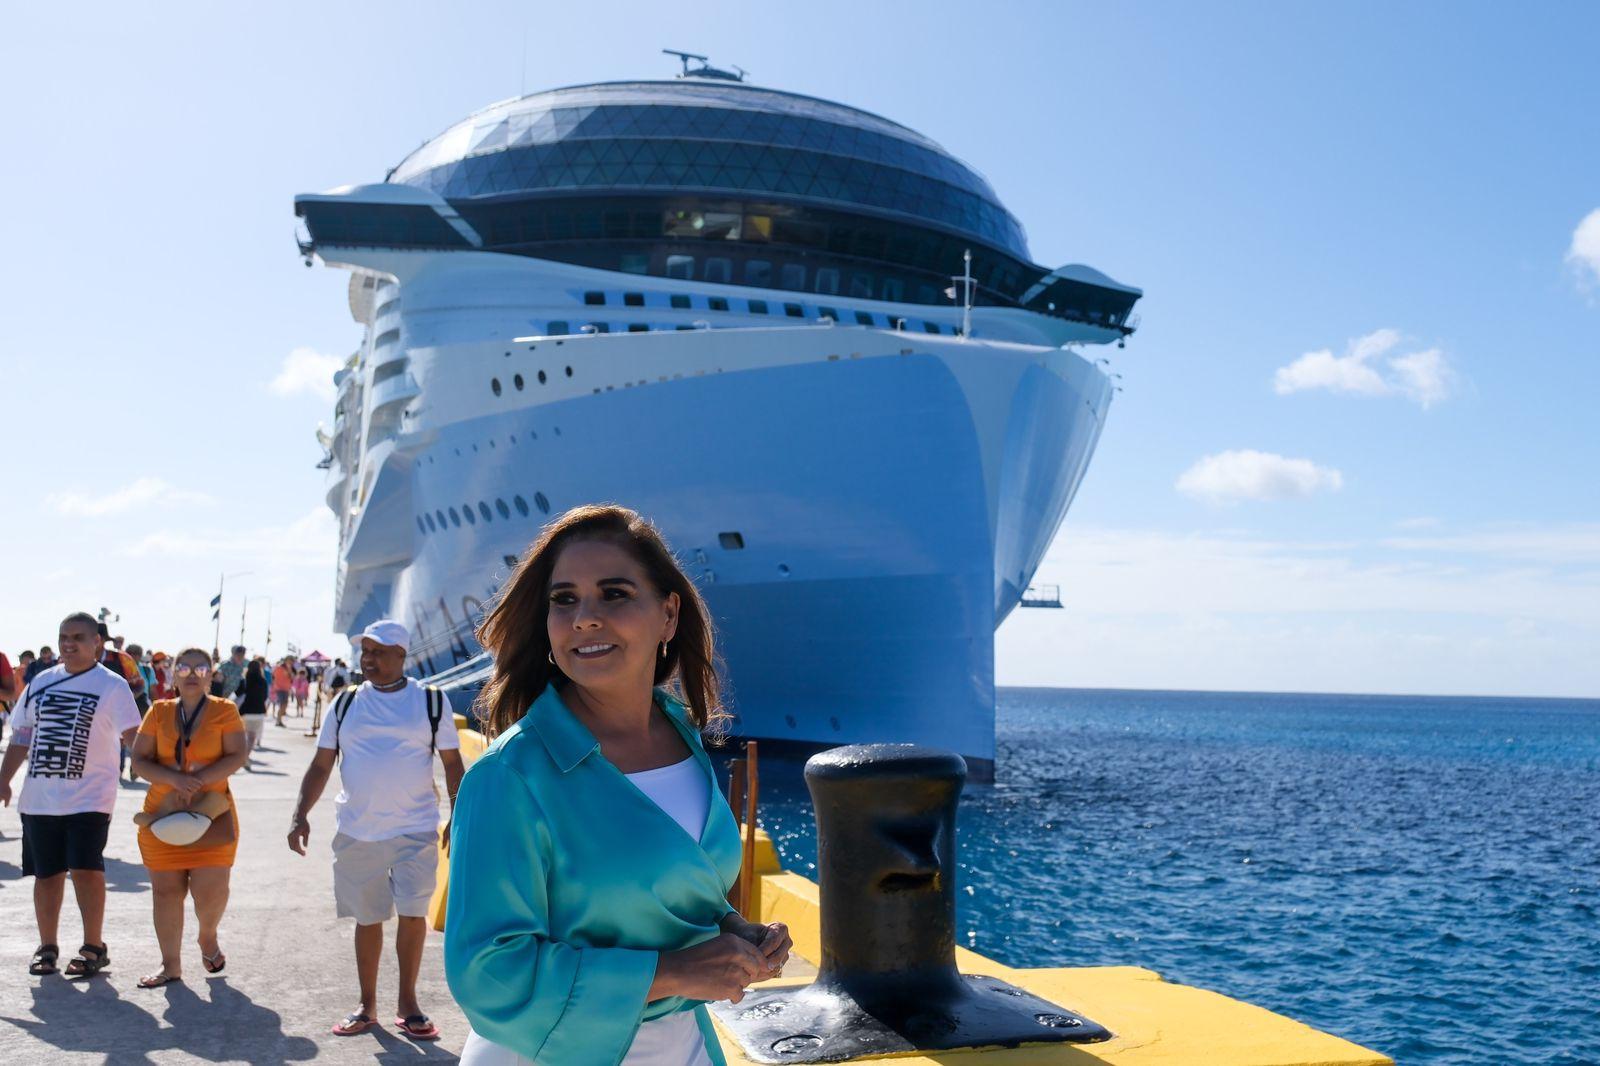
x: 566, y: 882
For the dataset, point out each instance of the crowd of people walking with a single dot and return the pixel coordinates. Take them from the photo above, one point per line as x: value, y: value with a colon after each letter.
x: 591, y: 851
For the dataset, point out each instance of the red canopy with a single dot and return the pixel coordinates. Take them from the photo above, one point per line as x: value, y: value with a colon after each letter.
x: 314, y: 657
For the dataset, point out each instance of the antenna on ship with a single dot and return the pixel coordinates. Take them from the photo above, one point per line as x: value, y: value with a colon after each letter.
x: 705, y: 69
x: 965, y: 279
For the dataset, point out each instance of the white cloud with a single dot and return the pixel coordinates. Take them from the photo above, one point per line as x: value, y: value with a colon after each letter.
x: 144, y: 491
x: 1371, y: 366
x: 1419, y: 522
x: 1583, y: 255
x: 1155, y: 609
x: 310, y: 542
x: 1231, y: 476
x: 306, y: 370
x: 1546, y: 545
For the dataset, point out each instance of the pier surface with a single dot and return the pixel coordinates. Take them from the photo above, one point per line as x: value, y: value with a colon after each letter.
x: 291, y: 963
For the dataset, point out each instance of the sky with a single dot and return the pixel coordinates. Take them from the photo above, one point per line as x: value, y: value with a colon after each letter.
x: 1356, y: 447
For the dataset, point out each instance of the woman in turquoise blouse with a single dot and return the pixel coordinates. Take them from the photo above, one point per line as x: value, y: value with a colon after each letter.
x: 591, y: 850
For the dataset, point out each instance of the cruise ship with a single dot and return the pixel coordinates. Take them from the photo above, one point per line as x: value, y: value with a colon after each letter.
x: 806, y: 341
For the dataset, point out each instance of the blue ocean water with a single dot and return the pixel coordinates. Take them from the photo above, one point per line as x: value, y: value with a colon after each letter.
x: 1411, y: 873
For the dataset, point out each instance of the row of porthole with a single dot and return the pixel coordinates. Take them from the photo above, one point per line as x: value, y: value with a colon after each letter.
x: 426, y: 522
x: 517, y: 382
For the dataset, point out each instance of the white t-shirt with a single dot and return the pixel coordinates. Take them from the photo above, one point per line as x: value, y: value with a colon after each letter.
x: 683, y: 791
x: 386, y: 762
x: 73, y: 726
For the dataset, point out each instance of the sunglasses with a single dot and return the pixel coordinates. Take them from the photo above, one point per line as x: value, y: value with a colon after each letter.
x: 191, y: 670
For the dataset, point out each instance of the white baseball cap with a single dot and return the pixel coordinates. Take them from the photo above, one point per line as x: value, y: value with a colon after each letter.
x: 387, y: 631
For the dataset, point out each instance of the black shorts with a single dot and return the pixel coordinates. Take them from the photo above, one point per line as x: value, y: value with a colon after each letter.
x: 55, y: 843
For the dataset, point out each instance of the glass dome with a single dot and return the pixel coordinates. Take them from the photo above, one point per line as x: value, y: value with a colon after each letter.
x: 719, y: 137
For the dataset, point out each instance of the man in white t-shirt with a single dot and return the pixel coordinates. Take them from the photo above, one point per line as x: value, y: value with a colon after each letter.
x: 69, y: 728
x: 386, y: 842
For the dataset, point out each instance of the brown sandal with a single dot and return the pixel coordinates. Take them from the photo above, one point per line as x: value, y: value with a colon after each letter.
x: 44, y: 960
x: 90, y: 960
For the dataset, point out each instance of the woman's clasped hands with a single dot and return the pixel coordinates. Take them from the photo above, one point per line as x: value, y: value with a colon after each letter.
x: 723, y: 967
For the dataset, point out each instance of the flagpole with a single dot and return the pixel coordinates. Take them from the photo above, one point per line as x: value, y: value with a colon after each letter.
x: 216, y: 616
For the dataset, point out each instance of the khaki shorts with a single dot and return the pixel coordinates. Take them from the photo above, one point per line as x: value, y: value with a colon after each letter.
x: 372, y: 879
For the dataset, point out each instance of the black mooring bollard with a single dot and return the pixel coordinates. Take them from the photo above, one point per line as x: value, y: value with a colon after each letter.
x: 887, y: 981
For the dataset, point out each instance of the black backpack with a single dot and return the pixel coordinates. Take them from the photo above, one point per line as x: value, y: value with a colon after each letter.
x: 436, y: 705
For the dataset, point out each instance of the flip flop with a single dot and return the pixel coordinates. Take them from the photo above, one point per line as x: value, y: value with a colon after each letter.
x: 354, y: 1024
x: 159, y: 980
x: 417, y: 1027
x: 214, y: 963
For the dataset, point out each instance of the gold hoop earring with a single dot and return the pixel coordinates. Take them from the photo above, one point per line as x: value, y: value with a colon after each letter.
x: 663, y: 649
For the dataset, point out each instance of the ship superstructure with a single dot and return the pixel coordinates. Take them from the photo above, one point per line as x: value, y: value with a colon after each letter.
x: 741, y: 312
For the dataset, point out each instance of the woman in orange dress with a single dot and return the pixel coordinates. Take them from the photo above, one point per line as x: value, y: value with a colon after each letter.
x: 189, y: 745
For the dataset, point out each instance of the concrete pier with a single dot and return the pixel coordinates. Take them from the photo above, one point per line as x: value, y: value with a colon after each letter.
x: 291, y: 963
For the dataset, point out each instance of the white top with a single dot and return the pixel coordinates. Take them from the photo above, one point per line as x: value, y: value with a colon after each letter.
x: 386, y: 762
x: 680, y: 790
x: 684, y: 793
x: 72, y: 725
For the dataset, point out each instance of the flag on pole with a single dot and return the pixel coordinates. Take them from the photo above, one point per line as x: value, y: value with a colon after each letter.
x: 216, y: 600
x: 216, y: 614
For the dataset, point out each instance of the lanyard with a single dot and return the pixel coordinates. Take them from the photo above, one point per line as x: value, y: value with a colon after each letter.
x: 186, y: 723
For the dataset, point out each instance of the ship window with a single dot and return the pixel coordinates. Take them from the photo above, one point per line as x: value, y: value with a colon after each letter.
x: 862, y: 284
x: 500, y: 505
x: 517, y: 381
x: 440, y: 516
x: 638, y: 327
x: 893, y: 289
x: 633, y: 299
x: 827, y: 280
x: 429, y: 519
x: 680, y: 266
x: 420, y: 527
x: 521, y: 505
x: 541, y: 377
x: 794, y: 310
x: 634, y: 263
x: 557, y: 328
x: 392, y: 369
x: 758, y: 227
x: 758, y: 307
x: 717, y: 303
x: 793, y: 277
x: 385, y: 308
x: 719, y: 269
x: 510, y: 560
x: 569, y: 374
x: 542, y: 503
x: 758, y: 272
x: 494, y: 383
x: 601, y: 327
x: 679, y: 300
x: 930, y: 327
x: 925, y: 295
x: 388, y: 336
x: 828, y: 312
x: 679, y: 327
x: 594, y: 299
x: 466, y: 512
x: 864, y: 318
x: 483, y: 509
x: 455, y: 519
x: 731, y: 541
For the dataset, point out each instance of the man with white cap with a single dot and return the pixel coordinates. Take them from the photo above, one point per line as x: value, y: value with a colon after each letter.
x: 386, y: 842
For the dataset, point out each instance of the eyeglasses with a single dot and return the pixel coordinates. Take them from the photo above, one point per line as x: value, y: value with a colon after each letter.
x: 191, y: 670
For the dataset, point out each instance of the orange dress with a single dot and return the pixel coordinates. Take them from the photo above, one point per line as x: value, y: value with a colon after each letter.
x: 219, y: 718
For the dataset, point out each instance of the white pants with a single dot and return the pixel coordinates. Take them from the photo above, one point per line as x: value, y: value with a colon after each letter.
x: 671, y: 1041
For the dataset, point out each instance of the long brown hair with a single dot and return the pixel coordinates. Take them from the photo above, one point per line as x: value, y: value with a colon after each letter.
x: 516, y: 631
